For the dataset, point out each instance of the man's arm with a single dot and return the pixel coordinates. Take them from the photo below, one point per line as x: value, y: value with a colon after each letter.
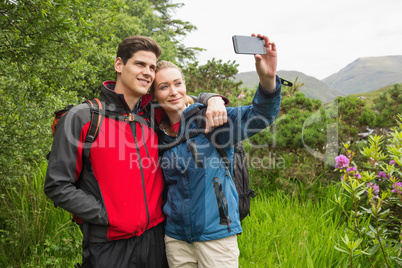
x: 216, y: 114
x: 266, y: 65
x: 245, y: 121
x: 65, y: 166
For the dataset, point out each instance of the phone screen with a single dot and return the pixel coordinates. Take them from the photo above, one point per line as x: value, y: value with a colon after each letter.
x: 248, y: 44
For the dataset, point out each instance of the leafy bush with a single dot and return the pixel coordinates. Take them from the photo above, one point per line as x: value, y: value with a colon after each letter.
x: 373, y: 190
x: 368, y: 117
x: 387, y: 105
x: 214, y: 76
x: 58, y: 52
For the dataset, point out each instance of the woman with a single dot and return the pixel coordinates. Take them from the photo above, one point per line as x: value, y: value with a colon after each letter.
x: 202, y: 203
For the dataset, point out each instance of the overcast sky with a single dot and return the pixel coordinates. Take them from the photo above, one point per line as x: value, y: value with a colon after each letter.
x: 316, y: 37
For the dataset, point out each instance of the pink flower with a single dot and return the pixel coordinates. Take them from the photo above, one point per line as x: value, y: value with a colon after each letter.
x: 375, y: 187
x: 341, y: 161
x: 351, y: 170
x: 397, y: 187
x: 381, y: 175
x: 241, y: 96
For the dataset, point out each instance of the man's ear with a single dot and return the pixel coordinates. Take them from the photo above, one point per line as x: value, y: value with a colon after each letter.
x: 118, y: 63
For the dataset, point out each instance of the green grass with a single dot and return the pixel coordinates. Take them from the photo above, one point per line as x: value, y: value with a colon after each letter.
x: 33, y: 233
x: 290, y: 230
x: 284, y: 232
x: 372, y: 95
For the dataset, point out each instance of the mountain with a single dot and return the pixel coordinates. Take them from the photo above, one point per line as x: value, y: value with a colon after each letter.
x: 313, y: 88
x: 367, y: 74
x: 363, y: 75
x: 250, y: 79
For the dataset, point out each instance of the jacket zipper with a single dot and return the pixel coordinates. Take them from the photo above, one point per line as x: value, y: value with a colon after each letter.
x: 133, y: 131
x: 191, y: 229
x: 188, y: 179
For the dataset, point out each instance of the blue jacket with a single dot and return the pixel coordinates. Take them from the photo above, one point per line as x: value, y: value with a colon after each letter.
x: 202, y: 201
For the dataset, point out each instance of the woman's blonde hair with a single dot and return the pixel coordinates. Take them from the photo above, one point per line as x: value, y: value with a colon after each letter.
x: 163, y: 64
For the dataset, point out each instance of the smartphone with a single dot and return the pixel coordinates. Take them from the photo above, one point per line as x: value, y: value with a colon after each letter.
x: 248, y: 44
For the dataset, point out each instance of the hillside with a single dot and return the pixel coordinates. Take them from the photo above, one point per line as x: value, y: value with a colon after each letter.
x: 313, y: 88
x: 371, y: 96
x: 250, y: 79
x: 367, y: 74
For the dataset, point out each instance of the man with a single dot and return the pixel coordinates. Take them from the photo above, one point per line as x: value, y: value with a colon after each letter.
x: 114, y: 184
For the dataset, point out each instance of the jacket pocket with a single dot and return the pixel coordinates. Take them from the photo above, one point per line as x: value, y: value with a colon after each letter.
x: 224, y: 218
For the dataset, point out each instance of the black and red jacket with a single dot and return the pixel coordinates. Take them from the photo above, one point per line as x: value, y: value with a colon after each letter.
x: 118, y: 190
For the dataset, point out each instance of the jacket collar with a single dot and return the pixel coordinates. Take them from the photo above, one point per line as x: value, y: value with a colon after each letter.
x: 116, y: 102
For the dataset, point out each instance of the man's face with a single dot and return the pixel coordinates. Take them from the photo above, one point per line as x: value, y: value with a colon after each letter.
x: 136, y: 76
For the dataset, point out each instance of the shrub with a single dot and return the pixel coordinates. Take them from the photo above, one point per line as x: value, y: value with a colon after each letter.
x: 374, y: 188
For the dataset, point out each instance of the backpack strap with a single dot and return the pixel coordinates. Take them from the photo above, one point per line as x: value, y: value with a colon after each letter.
x: 224, y: 218
x: 184, y: 136
x: 96, y: 119
x: 180, y: 139
x: 221, y: 151
x: 97, y: 114
x: 96, y: 109
x: 201, y: 125
x: 198, y: 112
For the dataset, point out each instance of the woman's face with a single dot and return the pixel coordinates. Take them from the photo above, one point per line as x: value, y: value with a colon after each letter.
x: 170, y: 91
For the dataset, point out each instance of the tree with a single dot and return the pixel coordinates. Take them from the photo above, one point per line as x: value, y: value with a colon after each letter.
x: 40, y: 56
x: 214, y: 76
x: 172, y: 30
x: 39, y: 38
x: 56, y: 52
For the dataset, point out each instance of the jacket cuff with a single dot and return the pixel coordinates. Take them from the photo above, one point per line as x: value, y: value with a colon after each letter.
x: 277, y: 91
x: 204, y: 97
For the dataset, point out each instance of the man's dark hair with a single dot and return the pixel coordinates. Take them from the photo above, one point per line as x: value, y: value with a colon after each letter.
x: 135, y: 43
